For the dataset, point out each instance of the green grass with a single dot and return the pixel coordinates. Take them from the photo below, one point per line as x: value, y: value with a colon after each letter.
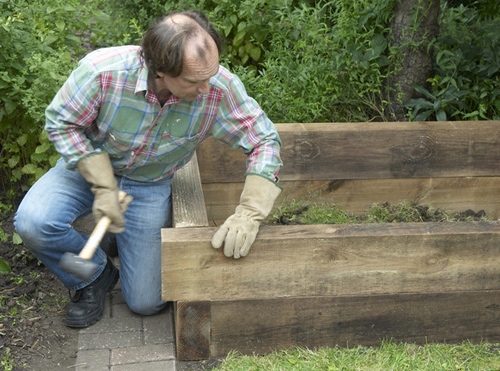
x: 6, y: 362
x: 388, y: 356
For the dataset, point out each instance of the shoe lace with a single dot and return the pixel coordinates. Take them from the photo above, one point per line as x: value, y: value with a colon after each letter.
x: 75, y: 298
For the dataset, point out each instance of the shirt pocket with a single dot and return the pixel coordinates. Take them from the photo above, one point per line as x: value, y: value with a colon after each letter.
x: 122, y: 147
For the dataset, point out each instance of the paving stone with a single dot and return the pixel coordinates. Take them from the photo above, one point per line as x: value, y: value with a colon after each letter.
x: 150, y: 353
x: 121, y: 324
x: 149, y: 366
x: 109, y: 340
x: 107, y: 307
x: 122, y: 310
x: 92, y: 360
x: 125, y: 341
x: 159, y: 328
x: 117, y: 298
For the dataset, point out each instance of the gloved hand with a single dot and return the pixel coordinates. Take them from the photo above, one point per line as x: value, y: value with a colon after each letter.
x: 97, y: 170
x: 239, y: 231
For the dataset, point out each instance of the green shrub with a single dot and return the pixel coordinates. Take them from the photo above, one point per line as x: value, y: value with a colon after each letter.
x: 303, y: 60
x: 39, y: 47
x: 296, y: 57
x: 294, y: 81
x: 41, y: 44
x: 325, y: 63
x: 466, y: 84
x: 118, y: 25
x: 246, y: 24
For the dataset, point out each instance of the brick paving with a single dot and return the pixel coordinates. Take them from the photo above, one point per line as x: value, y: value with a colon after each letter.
x: 124, y: 341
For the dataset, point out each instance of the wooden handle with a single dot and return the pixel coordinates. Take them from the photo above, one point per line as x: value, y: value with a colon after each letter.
x: 98, y: 233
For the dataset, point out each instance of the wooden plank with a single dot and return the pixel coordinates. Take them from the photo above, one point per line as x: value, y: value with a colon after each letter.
x: 192, y: 330
x: 356, y: 196
x: 330, y: 260
x: 191, y: 320
x: 188, y: 203
x: 261, y: 326
x: 369, y: 151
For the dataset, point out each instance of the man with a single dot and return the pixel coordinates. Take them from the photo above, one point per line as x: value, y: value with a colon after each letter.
x: 127, y: 118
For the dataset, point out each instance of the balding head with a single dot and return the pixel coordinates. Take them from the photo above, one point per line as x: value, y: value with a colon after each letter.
x: 163, y: 47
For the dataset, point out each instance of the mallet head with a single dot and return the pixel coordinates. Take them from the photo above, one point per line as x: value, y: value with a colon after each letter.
x: 77, y: 266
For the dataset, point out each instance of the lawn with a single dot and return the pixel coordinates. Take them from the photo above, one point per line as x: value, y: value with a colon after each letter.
x: 388, y: 356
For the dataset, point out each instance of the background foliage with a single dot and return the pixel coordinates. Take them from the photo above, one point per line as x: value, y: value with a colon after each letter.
x: 303, y: 60
x: 39, y: 46
x: 466, y: 84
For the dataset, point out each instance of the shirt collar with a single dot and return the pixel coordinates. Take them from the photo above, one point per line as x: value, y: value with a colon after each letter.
x: 142, y: 86
x: 142, y: 81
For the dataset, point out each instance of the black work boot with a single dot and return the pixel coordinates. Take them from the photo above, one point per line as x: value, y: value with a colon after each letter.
x: 109, y: 244
x: 87, y: 304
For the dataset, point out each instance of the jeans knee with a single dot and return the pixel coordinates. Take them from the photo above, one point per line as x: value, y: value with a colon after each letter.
x: 26, y: 225
x: 35, y: 228
x: 144, y: 307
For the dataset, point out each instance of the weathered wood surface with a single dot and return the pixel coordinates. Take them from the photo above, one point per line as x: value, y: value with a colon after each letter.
x: 356, y: 196
x: 188, y: 210
x: 192, y: 330
x: 331, y: 260
x: 261, y: 326
x: 188, y: 203
x: 371, y: 150
x: 352, y: 284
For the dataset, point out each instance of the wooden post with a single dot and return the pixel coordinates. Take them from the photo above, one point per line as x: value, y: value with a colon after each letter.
x: 191, y: 320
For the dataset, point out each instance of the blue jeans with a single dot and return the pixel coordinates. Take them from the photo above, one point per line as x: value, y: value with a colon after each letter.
x: 44, y: 221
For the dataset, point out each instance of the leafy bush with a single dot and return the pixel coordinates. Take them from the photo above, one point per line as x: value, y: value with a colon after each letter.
x: 466, y: 84
x: 41, y: 44
x: 39, y: 47
x: 295, y: 82
x: 246, y: 25
x: 325, y: 63
x: 303, y: 60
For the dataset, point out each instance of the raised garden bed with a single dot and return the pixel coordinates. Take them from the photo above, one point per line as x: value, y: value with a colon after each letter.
x: 327, y: 285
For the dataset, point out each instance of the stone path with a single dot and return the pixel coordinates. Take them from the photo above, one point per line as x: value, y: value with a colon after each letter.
x: 125, y: 341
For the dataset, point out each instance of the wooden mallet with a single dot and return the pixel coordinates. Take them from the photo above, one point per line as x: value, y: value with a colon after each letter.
x: 80, y: 266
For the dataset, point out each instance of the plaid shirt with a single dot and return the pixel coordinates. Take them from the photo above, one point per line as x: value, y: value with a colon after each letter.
x: 106, y: 105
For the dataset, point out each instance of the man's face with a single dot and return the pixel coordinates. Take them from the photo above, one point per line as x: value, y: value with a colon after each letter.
x: 196, y: 72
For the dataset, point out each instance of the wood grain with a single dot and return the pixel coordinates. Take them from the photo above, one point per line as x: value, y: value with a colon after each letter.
x: 263, y: 326
x: 192, y: 330
x: 188, y: 202
x: 356, y: 196
x: 328, y: 285
x: 329, y: 260
x: 384, y: 150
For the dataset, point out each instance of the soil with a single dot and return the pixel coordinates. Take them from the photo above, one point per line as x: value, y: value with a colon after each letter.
x: 33, y: 335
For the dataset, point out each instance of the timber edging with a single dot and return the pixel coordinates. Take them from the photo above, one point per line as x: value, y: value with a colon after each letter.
x: 351, y: 284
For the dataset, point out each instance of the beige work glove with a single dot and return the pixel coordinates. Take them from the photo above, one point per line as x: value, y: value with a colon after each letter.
x: 97, y: 170
x: 239, y: 231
